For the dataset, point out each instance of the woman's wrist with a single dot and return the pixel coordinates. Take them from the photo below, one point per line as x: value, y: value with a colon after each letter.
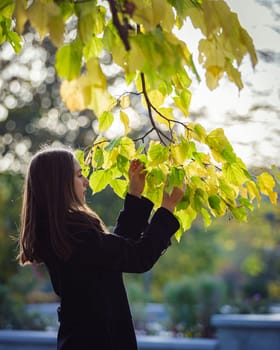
x: 135, y: 193
x: 169, y: 207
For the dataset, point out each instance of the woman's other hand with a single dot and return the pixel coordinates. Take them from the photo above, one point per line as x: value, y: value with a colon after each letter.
x: 137, y: 177
x: 169, y: 201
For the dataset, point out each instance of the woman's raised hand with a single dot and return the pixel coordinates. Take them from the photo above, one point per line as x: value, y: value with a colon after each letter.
x: 137, y: 177
x: 169, y: 201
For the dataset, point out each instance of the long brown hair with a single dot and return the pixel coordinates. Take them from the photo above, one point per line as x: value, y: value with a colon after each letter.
x: 50, y: 205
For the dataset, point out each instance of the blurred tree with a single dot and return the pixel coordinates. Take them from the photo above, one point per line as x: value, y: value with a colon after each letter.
x: 198, y: 252
x: 191, y: 301
x: 10, y: 203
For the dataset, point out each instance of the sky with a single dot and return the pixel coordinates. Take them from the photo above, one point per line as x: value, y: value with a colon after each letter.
x: 254, y: 132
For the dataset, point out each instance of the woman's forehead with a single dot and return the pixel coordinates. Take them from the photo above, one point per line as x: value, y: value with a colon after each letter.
x: 76, y: 165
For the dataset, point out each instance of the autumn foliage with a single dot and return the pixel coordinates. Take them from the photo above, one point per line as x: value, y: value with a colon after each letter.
x: 158, y: 68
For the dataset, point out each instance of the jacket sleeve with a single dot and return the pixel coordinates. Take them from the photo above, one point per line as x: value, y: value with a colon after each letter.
x: 134, y: 217
x: 112, y: 252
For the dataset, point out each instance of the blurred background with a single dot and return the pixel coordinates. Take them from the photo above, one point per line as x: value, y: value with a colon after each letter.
x: 228, y: 268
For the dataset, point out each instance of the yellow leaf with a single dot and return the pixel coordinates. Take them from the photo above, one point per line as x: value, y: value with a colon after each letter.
x: 79, y: 94
x: 134, y: 59
x: 182, y: 101
x: 20, y: 15
x: 253, y: 191
x: 197, y: 18
x: 198, y: 132
x: 165, y: 116
x: 100, y: 100
x: 248, y: 42
x: 125, y: 120
x: 125, y: 101
x: 211, y: 54
x: 206, y: 217
x: 95, y: 74
x: 221, y: 148
x: 156, y: 98
x: 88, y: 91
x: 233, y: 74
x: 40, y: 14
x: 267, y: 183
x: 153, y: 13
x: 56, y: 30
x: 178, y: 153
x: 163, y: 14
x: 72, y: 95
x: 186, y: 217
x: 213, y: 75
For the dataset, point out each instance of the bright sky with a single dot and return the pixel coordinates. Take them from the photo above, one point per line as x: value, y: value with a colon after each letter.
x: 253, y: 133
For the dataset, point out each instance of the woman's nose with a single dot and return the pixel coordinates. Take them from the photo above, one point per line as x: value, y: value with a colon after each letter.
x: 86, y: 182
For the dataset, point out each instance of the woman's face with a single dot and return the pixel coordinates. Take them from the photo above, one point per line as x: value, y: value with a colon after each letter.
x: 80, y: 182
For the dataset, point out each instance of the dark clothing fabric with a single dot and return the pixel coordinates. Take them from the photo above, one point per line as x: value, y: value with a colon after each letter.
x: 94, y: 311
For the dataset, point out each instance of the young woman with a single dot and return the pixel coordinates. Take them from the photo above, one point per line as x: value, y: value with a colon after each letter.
x: 85, y: 263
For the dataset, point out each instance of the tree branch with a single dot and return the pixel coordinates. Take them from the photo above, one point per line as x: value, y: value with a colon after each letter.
x: 122, y: 29
x: 160, y: 134
x: 170, y: 120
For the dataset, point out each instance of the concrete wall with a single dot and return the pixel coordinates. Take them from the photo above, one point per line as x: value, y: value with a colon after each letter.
x: 233, y: 332
x: 247, y: 332
x: 37, y: 340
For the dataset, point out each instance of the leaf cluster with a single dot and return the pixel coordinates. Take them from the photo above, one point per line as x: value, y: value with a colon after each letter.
x: 218, y: 182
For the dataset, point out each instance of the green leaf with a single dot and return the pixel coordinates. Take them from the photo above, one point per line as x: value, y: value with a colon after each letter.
x: 221, y: 148
x: 122, y: 164
x: 98, y: 158
x: 206, y: 217
x: 246, y: 203
x: 185, y: 202
x: 112, y: 144
x: 105, y: 121
x: 99, y: 179
x: 199, y: 199
x: 239, y: 213
x: 176, y: 178
x: 215, y: 204
x: 182, y: 151
x: 154, y: 195
x: 183, y: 100
x: 69, y: 60
x: 186, y: 217
x: 6, y: 8
x: 157, y: 153
x: 93, y: 48
x: 127, y: 147
x: 119, y: 187
x: 80, y: 155
x: 15, y: 40
x: 155, y: 178
x: 234, y: 174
